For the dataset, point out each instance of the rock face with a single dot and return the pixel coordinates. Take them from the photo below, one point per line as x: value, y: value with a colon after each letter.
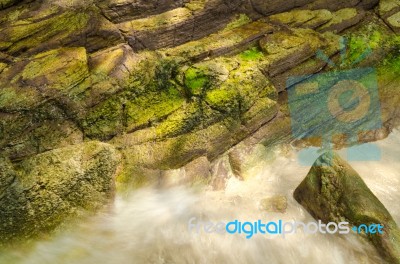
x: 333, y: 192
x: 7, y: 3
x: 168, y: 82
x: 39, y: 193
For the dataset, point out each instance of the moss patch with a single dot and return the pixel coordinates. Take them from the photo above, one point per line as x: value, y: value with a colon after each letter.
x: 195, y: 80
x: 240, y: 20
x: 252, y: 54
x: 26, y: 34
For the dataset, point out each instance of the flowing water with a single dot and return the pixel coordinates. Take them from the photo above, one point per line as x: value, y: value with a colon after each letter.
x: 151, y: 225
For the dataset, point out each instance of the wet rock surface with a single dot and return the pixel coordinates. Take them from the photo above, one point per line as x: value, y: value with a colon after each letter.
x: 333, y: 192
x: 168, y: 83
x: 39, y: 193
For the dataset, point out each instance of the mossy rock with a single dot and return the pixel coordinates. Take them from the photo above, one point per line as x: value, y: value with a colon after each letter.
x: 333, y: 192
x: 155, y: 22
x: 128, y: 112
x: 51, y: 188
x: 386, y: 7
x: 26, y: 34
x: 303, y: 18
x: 45, y: 76
x: 2, y: 66
x: 394, y: 21
x: 196, y: 81
x: 7, y: 3
x: 228, y: 40
x: 342, y: 19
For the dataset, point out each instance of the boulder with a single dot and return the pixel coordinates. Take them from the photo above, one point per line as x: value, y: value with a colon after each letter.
x: 39, y: 193
x: 334, y: 192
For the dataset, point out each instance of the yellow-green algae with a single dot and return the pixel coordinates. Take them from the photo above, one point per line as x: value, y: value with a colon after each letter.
x: 386, y: 6
x: 28, y: 33
x: 340, y: 16
x: 303, y: 18
x: 238, y: 21
x: 227, y: 39
x: 196, y: 5
x: 154, y: 22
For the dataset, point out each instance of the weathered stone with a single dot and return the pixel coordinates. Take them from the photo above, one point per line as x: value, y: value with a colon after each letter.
x: 198, y: 171
x: 276, y: 6
x: 342, y: 19
x: 221, y: 43
x: 7, y: 176
x: 195, y: 173
x: 7, y: 3
x: 394, y: 22
x: 119, y: 11
x: 52, y: 187
x: 236, y: 160
x: 286, y: 49
x: 66, y: 68
x: 176, y: 26
x: 333, y: 192
x: 277, y: 204
x: 388, y: 7
x: 52, y: 27
x: 220, y: 173
x: 303, y: 18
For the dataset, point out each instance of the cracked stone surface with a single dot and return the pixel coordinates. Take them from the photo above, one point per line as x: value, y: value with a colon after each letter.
x: 169, y: 82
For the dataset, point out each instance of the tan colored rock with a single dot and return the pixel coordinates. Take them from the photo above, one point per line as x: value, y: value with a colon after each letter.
x: 342, y: 19
x: 276, y: 204
x: 220, y: 173
x: 303, y: 18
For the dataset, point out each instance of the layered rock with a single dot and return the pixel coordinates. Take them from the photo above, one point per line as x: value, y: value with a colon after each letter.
x: 172, y: 82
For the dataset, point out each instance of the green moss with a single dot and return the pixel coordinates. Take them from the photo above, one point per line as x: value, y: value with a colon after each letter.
x: 195, y: 5
x: 181, y: 121
x: 225, y: 99
x: 390, y: 66
x: 147, y: 109
x: 28, y: 34
x: 60, y: 68
x: 357, y: 46
x: 165, y: 71
x: 128, y: 112
x: 371, y: 36
x: 228, y: 39
x: 240, y: 20
x: 104, y: 120
x: 2, y: 66
x: 14, y: 99
x: 195, y: 80
x: 252, y: 54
